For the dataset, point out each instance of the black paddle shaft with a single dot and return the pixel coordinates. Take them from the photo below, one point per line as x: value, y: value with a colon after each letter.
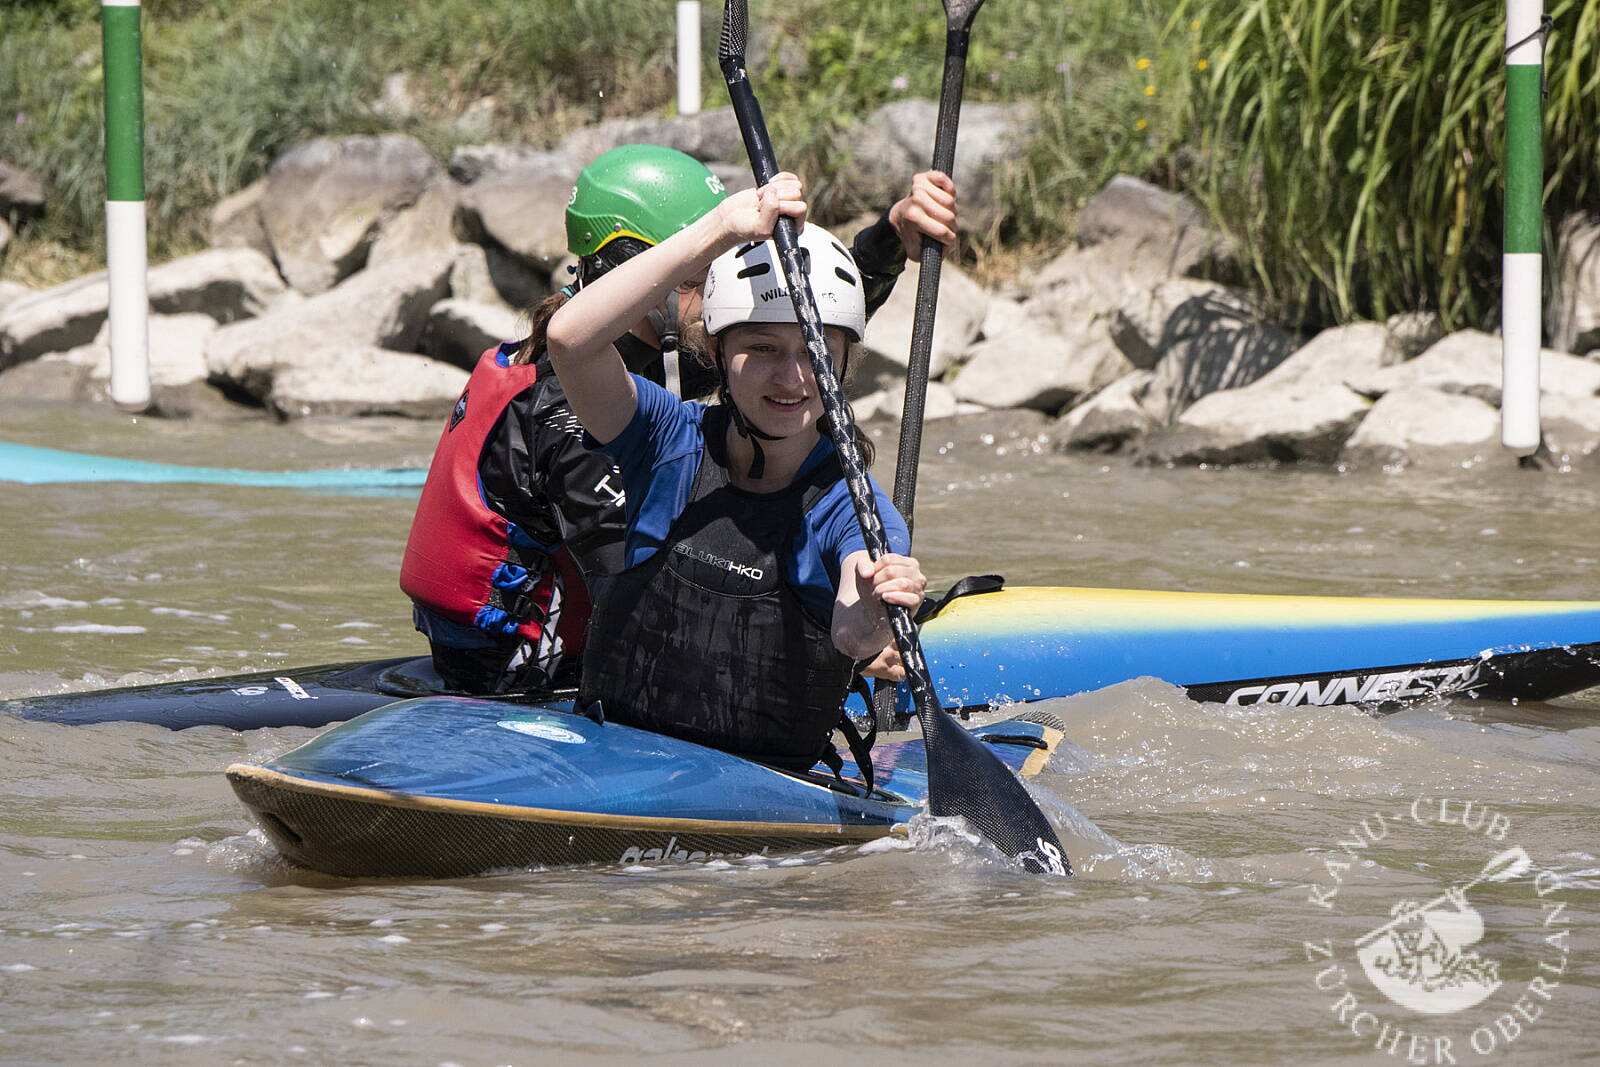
x: 959, y: 15
x: 964, y: 776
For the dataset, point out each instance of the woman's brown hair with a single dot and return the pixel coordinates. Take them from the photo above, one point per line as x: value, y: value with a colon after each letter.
x: 538, y: 326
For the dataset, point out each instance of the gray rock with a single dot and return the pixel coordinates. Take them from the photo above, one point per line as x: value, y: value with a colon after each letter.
x: 363, y: 380
x: 1575, y: 300
x: 5, y: 237
x: 1468, y: 363
x: 1305, y: 422
x: 1034, y: 365
x: 522, y: 208
x: 896, y: 141
x: 1139, y: 324
x: 1167, y: 231
x: 53, y: 320
x: 56, y: 378
x: 21, y: 194
x: 177, y: 350
x: 11, y: 292
x: 471, y: 162
x: 1299, y: 412
x: 939, y: 403
x: 236, y: 220
x: 1411, y: 333
x: 227, y: 284
x: 326, y: 199
x: 707, y: 136
x: 1210, y: 344
x: 1425, y: 426
x: 1109, y: 421
x: 425, y: 226
x: 956, y: 320
x: 459, y: 331
x: 386, y: 306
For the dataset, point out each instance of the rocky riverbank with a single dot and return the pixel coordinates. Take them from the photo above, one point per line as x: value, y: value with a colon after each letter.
x: 362, y: 277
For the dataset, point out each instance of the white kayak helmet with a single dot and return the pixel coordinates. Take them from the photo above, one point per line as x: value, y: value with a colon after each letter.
x: 746, y: 284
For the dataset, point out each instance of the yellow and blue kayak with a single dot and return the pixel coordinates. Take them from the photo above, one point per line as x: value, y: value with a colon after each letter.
x: 443, y: 787
x: 1030, y: 643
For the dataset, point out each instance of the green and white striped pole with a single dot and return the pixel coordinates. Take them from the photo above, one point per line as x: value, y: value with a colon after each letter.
x: 126, y: 255
x: 1522, y: 266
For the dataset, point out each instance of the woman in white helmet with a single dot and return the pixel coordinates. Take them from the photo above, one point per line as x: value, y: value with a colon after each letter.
x: 748, y: 595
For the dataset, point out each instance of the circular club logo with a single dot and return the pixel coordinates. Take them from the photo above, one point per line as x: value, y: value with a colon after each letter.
x: 1427, y: 957
x: 545, y: 730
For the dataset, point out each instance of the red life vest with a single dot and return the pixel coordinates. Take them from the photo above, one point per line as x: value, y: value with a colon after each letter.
x: 467, y: 563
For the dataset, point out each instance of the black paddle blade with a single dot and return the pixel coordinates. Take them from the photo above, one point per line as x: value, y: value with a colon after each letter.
x: 966, y: 778
x: 735, y: 30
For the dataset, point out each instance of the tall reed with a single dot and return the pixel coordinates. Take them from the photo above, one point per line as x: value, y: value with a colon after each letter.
x: 1354, y: 147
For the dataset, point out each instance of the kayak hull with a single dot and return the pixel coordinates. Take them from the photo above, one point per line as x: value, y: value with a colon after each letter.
x: 447, y: 787
x: 1027, y: 644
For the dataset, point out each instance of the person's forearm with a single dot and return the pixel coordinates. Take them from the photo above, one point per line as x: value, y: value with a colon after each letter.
x: 611, y: 304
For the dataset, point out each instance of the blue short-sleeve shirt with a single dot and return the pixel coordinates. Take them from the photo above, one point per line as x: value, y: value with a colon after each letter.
x: 659, y: 453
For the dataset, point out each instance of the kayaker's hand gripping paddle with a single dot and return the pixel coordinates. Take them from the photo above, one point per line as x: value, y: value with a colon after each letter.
x: 964, y: 777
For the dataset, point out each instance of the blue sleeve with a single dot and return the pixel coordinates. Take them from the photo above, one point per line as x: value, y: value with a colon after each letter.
x: 658, y: 453
x: 832, y: 533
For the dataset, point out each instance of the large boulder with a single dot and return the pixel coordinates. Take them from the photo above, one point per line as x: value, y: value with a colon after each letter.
x: 326, y: 199
x: 1211, y: 343
x: 493, y: 276
x: 1469, y: 363
x: 425, y: 226
x: 53, y: 320
x: 21, y: 193
x: 5, y: 237
x: 363, y: 380
x: 1154, y: 231
x: 177, y: 350
x: 228, y: 284
x: 11, y: 292
x: 520, y: 205
x: 709, y: 136
x: 225, y: 283
x: 459, y: 331
x: 1298, y: 412
x: 1139, y: 323
x: 1575, y: 299
x: 1039, y: 366
x: 1416, y: 424
x: 1109, y: 421
x: 386, y: 306
x: 957, y: 318
x: 894, y: 142
x: 236, y: 220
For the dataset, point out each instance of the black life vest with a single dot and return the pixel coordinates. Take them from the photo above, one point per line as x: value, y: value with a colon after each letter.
x: 706, y: 641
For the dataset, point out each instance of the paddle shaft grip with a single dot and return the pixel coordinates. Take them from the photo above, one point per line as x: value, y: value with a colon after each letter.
x: 944, y: 159
x: 841, y: 423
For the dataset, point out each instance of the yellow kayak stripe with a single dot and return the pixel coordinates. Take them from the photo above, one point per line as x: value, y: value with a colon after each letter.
x: 1054, y: 609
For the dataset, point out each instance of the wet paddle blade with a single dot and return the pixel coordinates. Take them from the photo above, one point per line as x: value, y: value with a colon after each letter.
x: 966, y: 778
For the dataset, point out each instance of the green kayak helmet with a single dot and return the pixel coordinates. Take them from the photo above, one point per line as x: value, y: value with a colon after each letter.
x: 640, y: 192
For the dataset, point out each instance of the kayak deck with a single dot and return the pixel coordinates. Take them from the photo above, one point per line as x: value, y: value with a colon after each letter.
x: 444, y: 787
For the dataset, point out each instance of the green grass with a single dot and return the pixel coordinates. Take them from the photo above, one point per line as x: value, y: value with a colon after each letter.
x: 231, y: 83
x: 1355, y: 148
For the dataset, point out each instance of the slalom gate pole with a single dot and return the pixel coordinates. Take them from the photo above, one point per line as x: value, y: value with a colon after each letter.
x: 1522, y: 265
x: 688, y: 57
x: 126, y: 253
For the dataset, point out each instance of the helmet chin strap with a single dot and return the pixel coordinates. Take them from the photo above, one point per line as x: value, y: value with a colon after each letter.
x: 750, y: 432
x: 664, y: 320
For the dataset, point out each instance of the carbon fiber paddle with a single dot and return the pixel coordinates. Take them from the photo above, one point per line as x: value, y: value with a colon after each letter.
x: 964, y: 777
x: 958, y: 34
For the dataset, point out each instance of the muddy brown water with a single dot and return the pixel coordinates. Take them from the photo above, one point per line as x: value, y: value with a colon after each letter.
x: 1230, y: 858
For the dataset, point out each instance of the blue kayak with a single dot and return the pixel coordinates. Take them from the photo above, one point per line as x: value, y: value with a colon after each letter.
x: 449, y: 786
x: 1030, y: 643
